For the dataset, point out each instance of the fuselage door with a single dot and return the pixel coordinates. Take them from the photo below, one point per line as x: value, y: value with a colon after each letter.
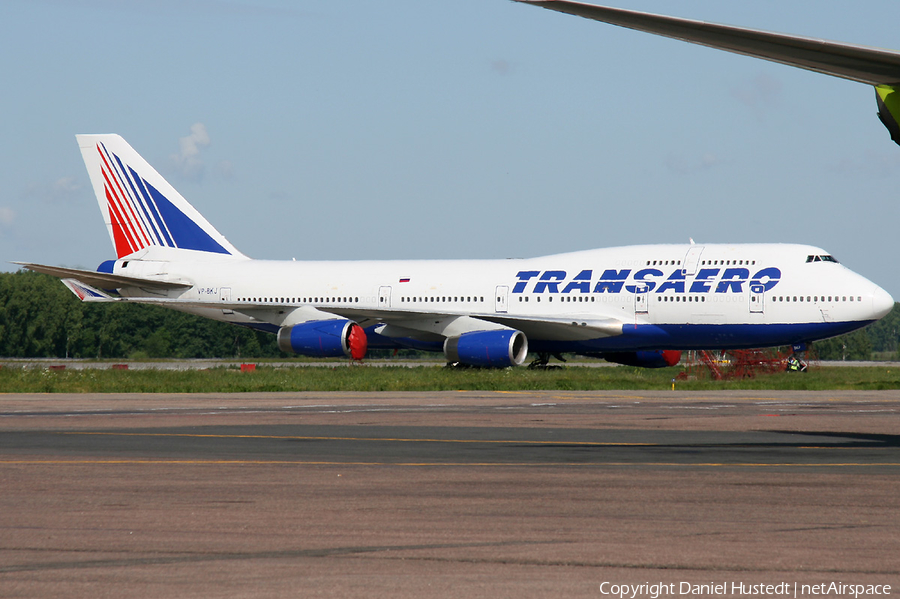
x: 225, y: 296
x: 502, y: 296
x: 691, y: 260
x: 384, y: 297
x: 640, y: 299
x: 757, y: 299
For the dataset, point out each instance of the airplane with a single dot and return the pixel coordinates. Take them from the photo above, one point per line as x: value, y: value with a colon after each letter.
x: 873, y: 66
x: 638, y: 305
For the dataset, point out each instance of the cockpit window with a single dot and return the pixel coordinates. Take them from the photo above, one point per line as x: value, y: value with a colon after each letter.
x: 821, y: 259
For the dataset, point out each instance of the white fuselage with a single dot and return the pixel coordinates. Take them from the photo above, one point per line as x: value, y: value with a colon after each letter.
x: 616, y: 299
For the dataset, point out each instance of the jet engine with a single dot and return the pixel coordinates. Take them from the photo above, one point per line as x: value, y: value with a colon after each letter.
x: 643, y: 359
x: 324, y: 339
x: 495, y: 349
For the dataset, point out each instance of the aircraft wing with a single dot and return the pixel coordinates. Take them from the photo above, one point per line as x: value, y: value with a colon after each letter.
x: 859, y: 63
x: 588, y: 326
x: 873, y: 66
x: 560, y: 329
x: 552, y: 329
x: 103, y: 280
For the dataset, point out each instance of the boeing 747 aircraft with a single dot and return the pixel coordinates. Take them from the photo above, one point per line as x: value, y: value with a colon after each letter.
x: 874, y: 66
x: 636, y: 305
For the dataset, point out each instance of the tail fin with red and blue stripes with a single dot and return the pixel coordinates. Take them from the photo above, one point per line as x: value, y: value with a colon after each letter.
x: 140, y: 208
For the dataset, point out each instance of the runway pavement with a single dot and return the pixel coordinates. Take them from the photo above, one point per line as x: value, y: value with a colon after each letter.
x: 453, y: 494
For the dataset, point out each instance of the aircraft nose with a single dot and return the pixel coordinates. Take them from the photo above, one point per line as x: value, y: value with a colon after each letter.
x: 882, y: 303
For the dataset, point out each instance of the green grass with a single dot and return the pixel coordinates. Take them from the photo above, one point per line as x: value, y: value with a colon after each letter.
x: 422, y: 378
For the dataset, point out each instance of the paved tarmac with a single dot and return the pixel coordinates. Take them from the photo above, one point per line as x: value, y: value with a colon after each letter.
x: 453, y: 494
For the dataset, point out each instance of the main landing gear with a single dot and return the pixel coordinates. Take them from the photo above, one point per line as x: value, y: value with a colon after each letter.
x: 543, y: 361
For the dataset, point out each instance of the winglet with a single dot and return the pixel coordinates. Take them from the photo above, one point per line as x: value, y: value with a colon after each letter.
x: 889, y: 108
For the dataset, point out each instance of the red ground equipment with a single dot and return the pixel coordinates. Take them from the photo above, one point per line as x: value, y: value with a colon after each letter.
x: 738, y: 363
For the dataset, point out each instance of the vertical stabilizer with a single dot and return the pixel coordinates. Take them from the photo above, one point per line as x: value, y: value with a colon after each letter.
x: 139, y: 207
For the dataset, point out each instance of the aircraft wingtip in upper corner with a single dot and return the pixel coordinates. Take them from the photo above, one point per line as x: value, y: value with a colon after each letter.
x: 873, y: 66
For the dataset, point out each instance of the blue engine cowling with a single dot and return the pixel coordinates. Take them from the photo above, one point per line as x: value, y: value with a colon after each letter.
x: 643, y: 359
x: 495, y: 349
x: 324, y: 339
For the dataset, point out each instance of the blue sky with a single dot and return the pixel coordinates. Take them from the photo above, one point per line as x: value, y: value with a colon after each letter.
x: 455, y: 129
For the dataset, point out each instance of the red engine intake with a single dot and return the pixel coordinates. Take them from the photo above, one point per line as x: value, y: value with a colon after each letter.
x: 324, y: 339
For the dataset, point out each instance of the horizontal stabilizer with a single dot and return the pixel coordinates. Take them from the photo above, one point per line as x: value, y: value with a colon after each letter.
x: 86, y: 293
x: 103, y: 280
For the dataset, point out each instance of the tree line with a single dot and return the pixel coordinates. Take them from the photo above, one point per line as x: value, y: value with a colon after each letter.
x: 41, y: 318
